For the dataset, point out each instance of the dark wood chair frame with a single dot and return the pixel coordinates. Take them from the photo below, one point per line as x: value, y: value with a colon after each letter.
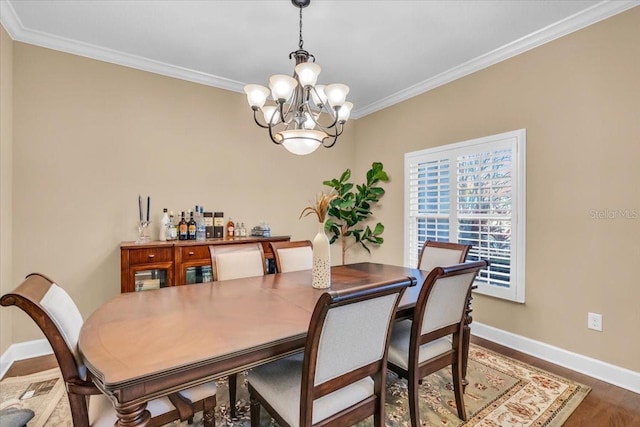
x: 373, y: 405
x: 275, y: 246
x: 453, y: 357
x: 466, y: 337
x: 27, y: 297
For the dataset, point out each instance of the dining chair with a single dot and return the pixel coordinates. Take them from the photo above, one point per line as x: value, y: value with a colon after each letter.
x: 435, y: 254
x: 433, y: 339
x: 292, y: 256
x: 58, y: 317
x: 340, y: 377
x: 236, y: 262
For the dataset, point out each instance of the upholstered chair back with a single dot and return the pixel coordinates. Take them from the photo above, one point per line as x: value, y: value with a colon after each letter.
x: 440, y: 254
x: 237, y: 261
x: 353, y: 336
x: 292, y: 256
x: 447, y: 301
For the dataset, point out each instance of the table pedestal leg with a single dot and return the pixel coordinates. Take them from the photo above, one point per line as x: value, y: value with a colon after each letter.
x: 132, y: 415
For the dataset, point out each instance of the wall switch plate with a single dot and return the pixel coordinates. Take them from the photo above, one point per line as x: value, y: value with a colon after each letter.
x: 594, y: 321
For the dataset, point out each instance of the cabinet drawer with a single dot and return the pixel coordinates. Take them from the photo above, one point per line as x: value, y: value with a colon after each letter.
x: 147, y: 255
x: 192, y: 253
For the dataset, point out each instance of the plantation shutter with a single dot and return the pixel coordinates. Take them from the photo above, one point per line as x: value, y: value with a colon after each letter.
x: 473, y: 193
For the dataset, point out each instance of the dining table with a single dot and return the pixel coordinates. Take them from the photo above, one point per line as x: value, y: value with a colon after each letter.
x: 143, y: 345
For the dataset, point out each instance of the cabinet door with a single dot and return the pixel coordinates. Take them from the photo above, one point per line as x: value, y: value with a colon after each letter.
x: 196, y: 272
x: 144, y: 277
x: 194, y: 265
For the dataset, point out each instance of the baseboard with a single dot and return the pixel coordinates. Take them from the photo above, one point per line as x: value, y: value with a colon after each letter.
x: 23, y: 350
x: 603, y: 371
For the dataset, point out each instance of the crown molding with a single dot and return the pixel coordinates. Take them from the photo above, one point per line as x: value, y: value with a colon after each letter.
x: 595, y: 13
x: 18, y: 32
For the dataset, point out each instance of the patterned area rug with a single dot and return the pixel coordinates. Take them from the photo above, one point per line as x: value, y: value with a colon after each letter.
x: 501, y: 392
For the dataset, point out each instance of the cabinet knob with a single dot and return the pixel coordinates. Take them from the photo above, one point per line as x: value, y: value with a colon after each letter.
x: 151, y: 255
x: 191, y: 252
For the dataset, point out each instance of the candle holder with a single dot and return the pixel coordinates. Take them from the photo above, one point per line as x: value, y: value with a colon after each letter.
x: 142, y: 232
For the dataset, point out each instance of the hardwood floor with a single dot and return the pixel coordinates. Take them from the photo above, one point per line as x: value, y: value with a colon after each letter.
x: 605, y: 405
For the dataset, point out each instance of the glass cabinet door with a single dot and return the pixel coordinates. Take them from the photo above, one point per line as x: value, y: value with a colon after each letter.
x: 153, y: 278
x: 198, y: 274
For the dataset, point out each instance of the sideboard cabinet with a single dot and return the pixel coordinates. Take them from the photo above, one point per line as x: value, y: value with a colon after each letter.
x: 180, y: 262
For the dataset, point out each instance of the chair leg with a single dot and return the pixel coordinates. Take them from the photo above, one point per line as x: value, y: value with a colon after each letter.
x: 458, y: 390
x: 208, y: 412
x: 233, y: 383
x: 255, y: 412
x: 414, y: 401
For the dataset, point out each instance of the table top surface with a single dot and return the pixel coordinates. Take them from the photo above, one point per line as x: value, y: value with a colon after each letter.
x: 141, y: 335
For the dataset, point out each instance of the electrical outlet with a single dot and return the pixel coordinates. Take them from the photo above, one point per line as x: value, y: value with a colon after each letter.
x: 594, y: 321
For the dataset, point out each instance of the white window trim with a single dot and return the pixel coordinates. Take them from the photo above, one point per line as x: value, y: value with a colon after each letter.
x: 516, y: 291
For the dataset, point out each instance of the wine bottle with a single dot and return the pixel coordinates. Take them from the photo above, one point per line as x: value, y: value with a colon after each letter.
x: 183, y: 228
x: 191, y: 228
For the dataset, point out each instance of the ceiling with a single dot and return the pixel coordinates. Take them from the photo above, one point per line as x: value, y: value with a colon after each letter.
x: 385, y: 51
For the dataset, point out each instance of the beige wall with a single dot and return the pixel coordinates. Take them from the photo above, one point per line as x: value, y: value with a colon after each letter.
x: 578, y: 97
x: 6, y: 186
x: 90, y: 136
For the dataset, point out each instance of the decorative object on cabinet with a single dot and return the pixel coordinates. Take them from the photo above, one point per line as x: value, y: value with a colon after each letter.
x: 295, y: 120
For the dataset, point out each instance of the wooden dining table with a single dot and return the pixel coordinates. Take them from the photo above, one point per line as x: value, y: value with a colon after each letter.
x: 143, y: 345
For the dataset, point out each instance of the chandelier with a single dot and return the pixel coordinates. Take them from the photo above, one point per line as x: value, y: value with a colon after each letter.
x: 305, y: 115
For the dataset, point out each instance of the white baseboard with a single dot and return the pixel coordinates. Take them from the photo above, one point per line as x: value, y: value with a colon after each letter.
x: 23, y: 350
x: 603, y: 371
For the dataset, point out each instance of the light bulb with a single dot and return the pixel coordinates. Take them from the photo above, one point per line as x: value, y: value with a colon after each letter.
x: 256, y: 95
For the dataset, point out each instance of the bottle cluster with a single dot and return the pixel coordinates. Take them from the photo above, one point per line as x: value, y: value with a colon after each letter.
x: 198, y: 225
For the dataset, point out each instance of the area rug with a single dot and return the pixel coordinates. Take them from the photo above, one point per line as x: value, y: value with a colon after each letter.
x: 502, y: 392
x: 41, y: 392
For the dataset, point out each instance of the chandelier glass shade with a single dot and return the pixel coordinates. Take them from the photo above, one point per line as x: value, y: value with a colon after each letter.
x: 302, y: 115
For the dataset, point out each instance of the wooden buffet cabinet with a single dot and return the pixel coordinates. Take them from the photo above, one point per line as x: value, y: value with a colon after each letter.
x: 178, y: 262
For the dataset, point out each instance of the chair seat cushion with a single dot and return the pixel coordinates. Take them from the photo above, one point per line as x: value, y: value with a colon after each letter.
x: 15, y: 417
x: 279, y: 383
x: 399, y: 346
x: 103, y: 414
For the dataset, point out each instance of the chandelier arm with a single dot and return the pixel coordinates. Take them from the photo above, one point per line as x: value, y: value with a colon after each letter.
x: 335, y: 139
x: 273, y: 138
x: 255, y: 118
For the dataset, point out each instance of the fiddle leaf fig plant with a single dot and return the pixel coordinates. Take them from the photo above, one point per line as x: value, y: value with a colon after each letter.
x: 351, y: 207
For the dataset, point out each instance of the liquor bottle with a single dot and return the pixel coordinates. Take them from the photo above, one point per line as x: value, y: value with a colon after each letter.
x: 230, y: 229
x: 183, y: 228
x: 173, y: 230
x: 208, y: 224
x: 201, y: 229
x: 243, y: 231
x: 164, y: 223
x: 218, y: 225
x: 191, y: 227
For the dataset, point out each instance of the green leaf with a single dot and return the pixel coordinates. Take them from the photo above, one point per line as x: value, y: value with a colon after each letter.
x: 345, y: 175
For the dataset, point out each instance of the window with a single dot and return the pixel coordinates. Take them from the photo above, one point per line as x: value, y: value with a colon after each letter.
x: 472, y: 192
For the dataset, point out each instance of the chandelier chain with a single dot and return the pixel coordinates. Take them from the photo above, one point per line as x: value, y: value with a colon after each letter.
x: 301, y: 42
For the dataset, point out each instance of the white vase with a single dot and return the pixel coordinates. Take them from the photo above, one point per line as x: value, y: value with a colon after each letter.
x: 321, y: 271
